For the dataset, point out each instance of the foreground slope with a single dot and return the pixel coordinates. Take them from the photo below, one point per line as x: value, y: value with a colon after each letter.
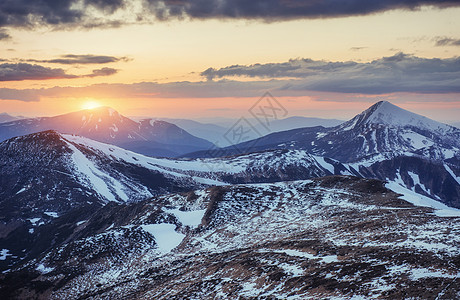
x: 333, y: 237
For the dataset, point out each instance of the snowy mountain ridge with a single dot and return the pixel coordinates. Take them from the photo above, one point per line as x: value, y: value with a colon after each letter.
x: 382, y: 128
x: 60, y: 166
x: 54, y: 172
x: 269, y: 166
x: 383, y: 142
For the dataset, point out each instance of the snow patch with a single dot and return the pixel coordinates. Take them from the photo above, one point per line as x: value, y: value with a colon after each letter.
x: 51, y: 214
x: 324, y: 164
x: 326, y: 259
x: 4, y: 253
x: 426, y: 273
x: 416, y: 180
x: 95, y: 177
x: 165, y: 235
x: 21, y: 190
x: 42, y: 269
x: 34, y: 221
x: 187, y: 218
x: 416, y: 140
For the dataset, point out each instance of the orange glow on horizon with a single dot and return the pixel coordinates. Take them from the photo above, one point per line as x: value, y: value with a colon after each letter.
x: 92, y: 104
x: 315, y: 105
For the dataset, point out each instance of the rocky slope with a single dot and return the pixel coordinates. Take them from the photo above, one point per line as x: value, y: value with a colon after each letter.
x: 333, y: 237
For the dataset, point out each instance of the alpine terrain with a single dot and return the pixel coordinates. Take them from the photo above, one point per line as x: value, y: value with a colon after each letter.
x: 366, y: 209
x: 334, y: 237
x: 383, y: 142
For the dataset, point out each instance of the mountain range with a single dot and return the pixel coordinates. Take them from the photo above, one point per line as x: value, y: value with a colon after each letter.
x: 383, y: 142
x: 217, y: 131
x: 4, y: 117
x: 383, y: 129
x: 368, y: 208
x: 42, y: 169
x: 155, y: 138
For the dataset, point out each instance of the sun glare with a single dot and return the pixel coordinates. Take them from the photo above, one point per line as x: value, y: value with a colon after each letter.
x: 90, y: 105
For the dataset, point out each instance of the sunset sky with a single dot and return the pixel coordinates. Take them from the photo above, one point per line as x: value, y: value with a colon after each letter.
x: 204, y: 59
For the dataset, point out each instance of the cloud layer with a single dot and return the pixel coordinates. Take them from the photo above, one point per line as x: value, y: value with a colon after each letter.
x: 447, y: 41
x: 91, y: 13
x: 398, y: 73
x: 283, y: 9
x: 25, y: 71
x: 70, y: 59
x: 102, y: 72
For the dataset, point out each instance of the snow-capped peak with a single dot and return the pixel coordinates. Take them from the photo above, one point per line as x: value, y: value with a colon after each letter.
x: 386, y: 113
x: 390, y: 114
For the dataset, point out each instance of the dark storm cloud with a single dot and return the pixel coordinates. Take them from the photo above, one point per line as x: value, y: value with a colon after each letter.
x: 69, y: 59
x: 282, y: 9
x: 102, y: 72
x: 29, y: 13
x: 23, y: 71
x: 398, y: 73
x: 25, y: 13
x: 446, y: 41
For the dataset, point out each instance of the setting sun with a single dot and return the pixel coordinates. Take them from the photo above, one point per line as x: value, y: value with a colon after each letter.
x: 90, y: 105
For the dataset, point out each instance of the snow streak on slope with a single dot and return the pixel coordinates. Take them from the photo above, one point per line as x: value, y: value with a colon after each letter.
x: 452, y: 173
x: 107, y: 187
x: 441, y: 209
x: 151, y: 162
x: 211, y: 171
